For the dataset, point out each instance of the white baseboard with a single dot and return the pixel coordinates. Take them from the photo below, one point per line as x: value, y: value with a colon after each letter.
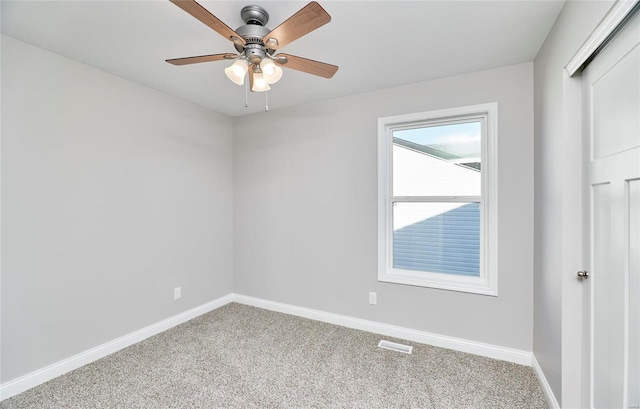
x: 35, y: 378
x: 546, y: 388
x: 478, y: 348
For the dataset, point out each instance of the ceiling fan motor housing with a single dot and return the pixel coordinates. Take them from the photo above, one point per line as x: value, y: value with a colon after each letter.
x: 253, y: 32
x: 254, y: 53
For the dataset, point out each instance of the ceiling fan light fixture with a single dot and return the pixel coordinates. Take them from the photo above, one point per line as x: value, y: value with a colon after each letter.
x: 272, y: 73
x: 237, y: 71
x: 260, y: 84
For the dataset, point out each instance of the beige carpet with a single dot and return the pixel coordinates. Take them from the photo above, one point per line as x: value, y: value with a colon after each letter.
x: 244, y: 357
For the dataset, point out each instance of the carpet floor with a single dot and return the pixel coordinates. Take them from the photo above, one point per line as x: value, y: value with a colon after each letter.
x: 244, y: 357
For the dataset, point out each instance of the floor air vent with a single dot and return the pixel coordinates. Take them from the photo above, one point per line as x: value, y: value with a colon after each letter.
x: 405, y: 349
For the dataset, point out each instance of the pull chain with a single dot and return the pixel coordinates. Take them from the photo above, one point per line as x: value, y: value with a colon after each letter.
x: 266, y: 101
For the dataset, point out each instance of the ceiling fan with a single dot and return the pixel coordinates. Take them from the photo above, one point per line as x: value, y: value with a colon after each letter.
x: 256, y: 44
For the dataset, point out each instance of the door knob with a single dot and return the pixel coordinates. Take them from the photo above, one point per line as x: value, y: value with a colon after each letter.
x: 583, y: 274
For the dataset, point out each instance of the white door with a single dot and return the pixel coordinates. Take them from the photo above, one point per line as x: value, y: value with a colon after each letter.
x: 612, y: 292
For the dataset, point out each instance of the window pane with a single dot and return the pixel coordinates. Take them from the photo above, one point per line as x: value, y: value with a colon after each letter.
x: 437, y: 160
x: 437, y: 237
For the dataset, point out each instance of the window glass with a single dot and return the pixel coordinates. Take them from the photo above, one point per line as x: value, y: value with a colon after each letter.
x: 439, y: 160
x: 437, y: 237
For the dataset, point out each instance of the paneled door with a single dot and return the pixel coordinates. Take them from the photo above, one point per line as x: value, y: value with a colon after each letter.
x: 611, y: 93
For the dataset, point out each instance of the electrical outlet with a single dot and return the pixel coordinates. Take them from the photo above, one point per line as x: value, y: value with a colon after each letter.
x: 373, y: 298
x: 177, y: 293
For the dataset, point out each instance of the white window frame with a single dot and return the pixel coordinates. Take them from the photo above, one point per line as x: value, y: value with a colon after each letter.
x: 487, y: 282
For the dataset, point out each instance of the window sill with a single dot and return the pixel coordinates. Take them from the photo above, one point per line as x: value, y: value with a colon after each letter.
x: 474, y: 285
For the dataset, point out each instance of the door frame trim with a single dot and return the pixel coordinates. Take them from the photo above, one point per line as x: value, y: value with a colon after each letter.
x: 572, y: 244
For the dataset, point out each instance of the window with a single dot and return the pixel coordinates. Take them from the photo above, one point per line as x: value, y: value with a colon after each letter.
x: 437, y: 199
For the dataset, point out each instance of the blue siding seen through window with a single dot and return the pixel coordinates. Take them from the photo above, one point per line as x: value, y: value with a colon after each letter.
x: 442, y: 242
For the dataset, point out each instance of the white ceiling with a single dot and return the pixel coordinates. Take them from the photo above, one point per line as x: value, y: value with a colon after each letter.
x: 376, y: 44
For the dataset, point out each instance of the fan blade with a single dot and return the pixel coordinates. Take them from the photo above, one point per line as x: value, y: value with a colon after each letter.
x: 250, y: 78
x: 303, y: 22
x: 202, y: 14
x: 201, y: 58
x: 306, y: 65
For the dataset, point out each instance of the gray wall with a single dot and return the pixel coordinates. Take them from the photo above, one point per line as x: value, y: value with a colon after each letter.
x: 575, y: 23
x: 112, y: 195
x: 305, y: 218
